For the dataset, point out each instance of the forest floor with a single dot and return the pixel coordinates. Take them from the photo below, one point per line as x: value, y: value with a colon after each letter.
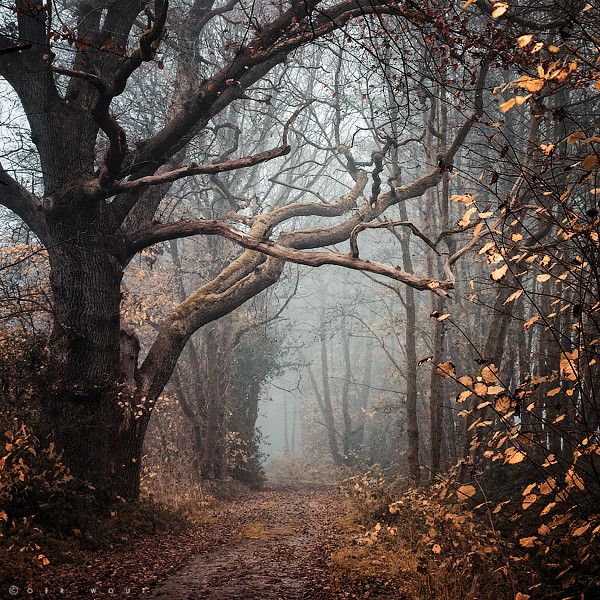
x: 278, y: 548
x: 270, y: 544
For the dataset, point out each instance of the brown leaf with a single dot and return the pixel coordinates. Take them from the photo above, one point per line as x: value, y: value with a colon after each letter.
x: 528, y: 542
x: 513, y: 456
x: 446, y: 369
x: 547, y: 508
x: 499, y: 8
x: 463, y: 396
x: 580, y: 530
x: 502, y: 404
x: 466, y: 380
x: 465, y: 491
x: 499, y: 273
x: 524, y: 40
x: 489, y: 373
x: 591, y: 161
x: 531, y: 321
x: 495, y: 389
x: 480, y: 389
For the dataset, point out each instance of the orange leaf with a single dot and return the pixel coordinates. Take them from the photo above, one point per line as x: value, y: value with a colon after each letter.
x: 465, y: 491
x: 528, y: 542
x: 502, y: 404
x: 531, y: 321
x: 524, y: 40
x: 499, y: 273
x: 513, y: 456
x: 499, y: 9
x: 489, y: 373
x: 513, y: 296
x: 506, y: 106
x: 581, y: 530
x: 445, y: 369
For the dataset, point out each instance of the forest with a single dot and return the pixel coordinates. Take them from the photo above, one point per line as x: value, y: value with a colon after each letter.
x: 300, y: 299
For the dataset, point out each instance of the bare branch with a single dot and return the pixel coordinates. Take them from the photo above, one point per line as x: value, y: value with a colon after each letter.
x: 21, y: 202
x: 193, y: 169
x: 95, y: 80
x: 169, y: 231
x: 386, y: 225
x: 213, y: 168
x: 270, y: 48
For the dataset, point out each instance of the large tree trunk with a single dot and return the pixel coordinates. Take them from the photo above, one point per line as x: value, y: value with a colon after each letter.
x: 89, y: 405
x: 191, y: 417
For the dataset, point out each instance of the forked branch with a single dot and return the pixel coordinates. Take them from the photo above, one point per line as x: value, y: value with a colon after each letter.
x: 211, y: 168
x: 386, y: 225
x: 180, y: 229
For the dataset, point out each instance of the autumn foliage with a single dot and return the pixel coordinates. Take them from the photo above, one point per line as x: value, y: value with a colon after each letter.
x: 172, y: 171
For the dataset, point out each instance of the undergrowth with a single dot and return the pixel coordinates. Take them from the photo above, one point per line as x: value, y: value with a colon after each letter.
x: 47, y: 517
x: 414, y: 543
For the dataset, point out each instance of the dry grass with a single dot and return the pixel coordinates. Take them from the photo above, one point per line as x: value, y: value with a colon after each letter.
x: 258, y: 530
x: 362, y: 562
x: 421, y: 551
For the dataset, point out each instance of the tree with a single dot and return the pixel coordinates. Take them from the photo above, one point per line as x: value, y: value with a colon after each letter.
x: 96, y: 201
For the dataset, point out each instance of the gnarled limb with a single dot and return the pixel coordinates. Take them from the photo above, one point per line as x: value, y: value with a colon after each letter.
x: 21, y: 202
x: 206, y: 304
x: 208, y: 169
x: 170, y: 231
x: 270, y: 48
x: 386, y: 225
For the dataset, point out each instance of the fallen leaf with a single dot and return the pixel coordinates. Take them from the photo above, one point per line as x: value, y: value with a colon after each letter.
x: 515, y: 457
x: 499, y: 9
x: 528, y: 542
x: 524, y: 40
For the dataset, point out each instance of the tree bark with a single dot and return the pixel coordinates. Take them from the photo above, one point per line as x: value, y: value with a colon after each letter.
x: 92, y: 364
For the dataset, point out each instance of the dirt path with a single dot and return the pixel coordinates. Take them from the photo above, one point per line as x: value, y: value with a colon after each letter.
x: 279, y: 550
